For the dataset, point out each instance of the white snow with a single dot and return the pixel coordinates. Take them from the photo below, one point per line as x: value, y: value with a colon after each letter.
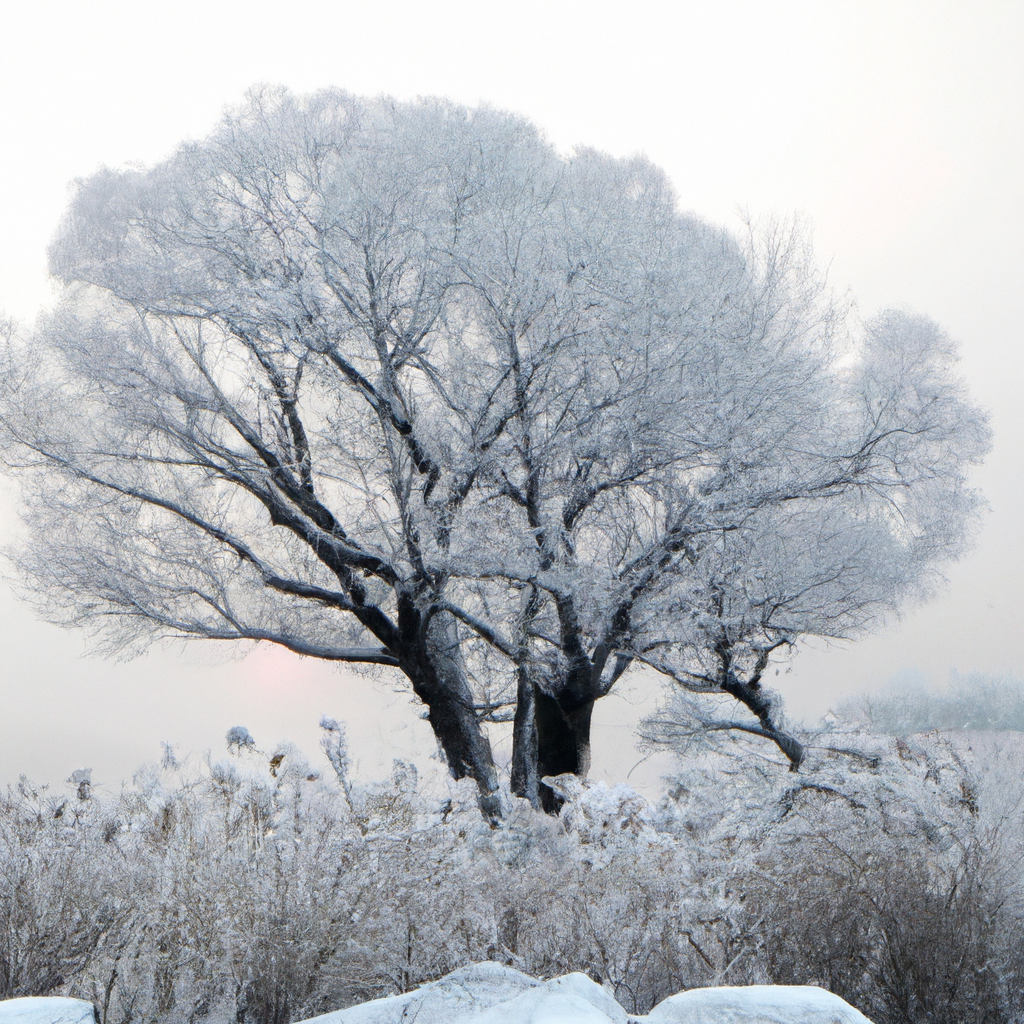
x: 455, y: 997
x: 46, y: 1010
x: 755, y: 1004
x: 573, y: 997
x: 488, y: 993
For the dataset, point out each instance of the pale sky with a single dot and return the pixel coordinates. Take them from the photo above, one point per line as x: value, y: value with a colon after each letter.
x: 895, y: 128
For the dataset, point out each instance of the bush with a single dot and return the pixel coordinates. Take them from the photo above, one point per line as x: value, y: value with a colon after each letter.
x: 258, y: 890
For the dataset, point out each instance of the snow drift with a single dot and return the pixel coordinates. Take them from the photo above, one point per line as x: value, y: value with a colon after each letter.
x: 46, y: 1010
x: 755, y: 1004
x: 488, y: 993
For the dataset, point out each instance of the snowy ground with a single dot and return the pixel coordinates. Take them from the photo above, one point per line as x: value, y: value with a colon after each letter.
x: 488, y: 993
x: 46, y: 1010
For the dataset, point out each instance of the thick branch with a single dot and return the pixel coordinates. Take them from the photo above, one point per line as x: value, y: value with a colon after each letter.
x: 360, y: 655
x: 754, y: 698
x: 491, y: 635
x: 369, y: 615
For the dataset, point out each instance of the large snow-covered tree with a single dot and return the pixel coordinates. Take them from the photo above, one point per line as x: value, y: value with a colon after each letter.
x: 399, y: 385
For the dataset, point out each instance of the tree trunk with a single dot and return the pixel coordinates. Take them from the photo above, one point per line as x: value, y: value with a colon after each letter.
x: 563, y: 741
x: 434, y: 666
x: 525, y: 777
x: 466, y: 747
x: 551, y: 733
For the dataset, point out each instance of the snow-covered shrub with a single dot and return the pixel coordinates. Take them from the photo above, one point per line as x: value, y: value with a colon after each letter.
x: 886, y: 872
x: 263, y: 889
x: 57, y: 910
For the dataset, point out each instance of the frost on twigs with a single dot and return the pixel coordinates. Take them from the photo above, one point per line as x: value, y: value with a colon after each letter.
x: 81, y: 779
x: 599, y: 813
x: 238, y: 738
x: 232, y: 888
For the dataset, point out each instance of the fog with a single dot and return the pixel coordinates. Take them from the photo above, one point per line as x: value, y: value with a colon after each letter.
x: 895, y: 129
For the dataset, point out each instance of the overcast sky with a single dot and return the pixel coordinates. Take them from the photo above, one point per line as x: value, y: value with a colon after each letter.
x: 896, y: 128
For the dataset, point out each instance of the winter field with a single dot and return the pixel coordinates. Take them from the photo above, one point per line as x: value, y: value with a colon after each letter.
x: 488, y: 993
x: 402, y: 386
x: 262, y: 887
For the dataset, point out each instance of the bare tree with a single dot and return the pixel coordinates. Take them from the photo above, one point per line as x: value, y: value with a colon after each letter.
x: 398, y: 385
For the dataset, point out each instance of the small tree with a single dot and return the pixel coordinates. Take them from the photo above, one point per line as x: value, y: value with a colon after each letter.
x: 398, y: 385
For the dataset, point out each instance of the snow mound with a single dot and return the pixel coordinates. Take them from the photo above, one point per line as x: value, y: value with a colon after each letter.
x: 755, y: 1004
x: 572, y: 999
x: 454, y: 998
x: 489, y: 993
x: 46, y: 1010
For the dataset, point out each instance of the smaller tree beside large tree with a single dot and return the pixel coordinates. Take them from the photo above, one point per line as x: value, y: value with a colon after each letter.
x: 398, y: 385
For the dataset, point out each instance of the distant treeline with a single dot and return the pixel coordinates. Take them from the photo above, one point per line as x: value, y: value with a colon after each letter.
x: 974, y: 703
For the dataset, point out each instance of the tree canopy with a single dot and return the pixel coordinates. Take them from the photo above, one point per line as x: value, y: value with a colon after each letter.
x: 400, y: 385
